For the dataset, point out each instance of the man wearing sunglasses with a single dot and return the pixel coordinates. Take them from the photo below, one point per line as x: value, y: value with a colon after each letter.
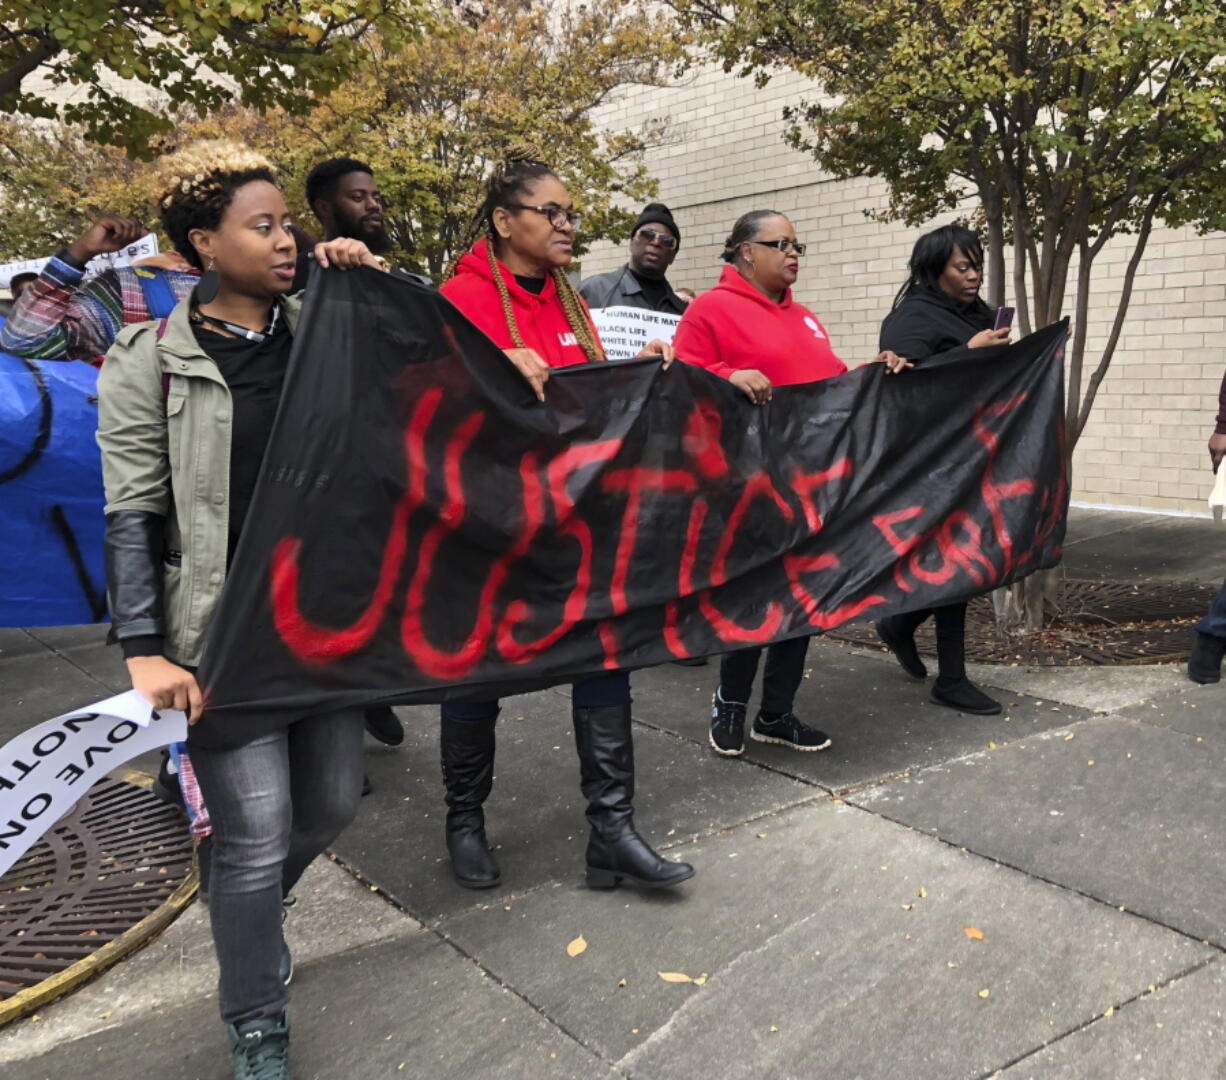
x: 641, y: 283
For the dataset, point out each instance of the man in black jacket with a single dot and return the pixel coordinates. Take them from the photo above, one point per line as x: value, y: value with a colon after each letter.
x: 641, y: 283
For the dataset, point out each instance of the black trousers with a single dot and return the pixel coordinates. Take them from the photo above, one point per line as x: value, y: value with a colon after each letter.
x: 785, y: 667
x: 951, y: 636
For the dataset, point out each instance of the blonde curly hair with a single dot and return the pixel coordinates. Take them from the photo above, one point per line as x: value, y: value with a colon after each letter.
x: 193, y: 186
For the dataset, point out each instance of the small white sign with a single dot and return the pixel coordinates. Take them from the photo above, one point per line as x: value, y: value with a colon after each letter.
x: 625, y: 331
x: 139, y: 249
x: 45, y: 771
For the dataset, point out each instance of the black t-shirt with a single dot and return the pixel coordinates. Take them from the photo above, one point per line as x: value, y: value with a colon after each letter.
x: 254, y: 371
x: 534, y: 285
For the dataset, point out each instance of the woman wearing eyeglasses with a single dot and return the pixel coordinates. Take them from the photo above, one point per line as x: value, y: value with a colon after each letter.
x: 513, y: 286
x: 750, y: 331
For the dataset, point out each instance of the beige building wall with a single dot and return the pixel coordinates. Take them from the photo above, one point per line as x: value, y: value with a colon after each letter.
x: 1145, y: 444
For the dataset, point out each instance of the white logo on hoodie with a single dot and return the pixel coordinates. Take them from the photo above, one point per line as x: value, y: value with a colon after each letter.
x: 811, y: 323
x: 567, y: 339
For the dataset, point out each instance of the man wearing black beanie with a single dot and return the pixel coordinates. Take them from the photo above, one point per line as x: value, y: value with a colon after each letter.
x: 641, y: 282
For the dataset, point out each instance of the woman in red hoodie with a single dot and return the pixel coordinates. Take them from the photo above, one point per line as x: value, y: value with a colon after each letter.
x: 750, y: 331
x: 513, y: 286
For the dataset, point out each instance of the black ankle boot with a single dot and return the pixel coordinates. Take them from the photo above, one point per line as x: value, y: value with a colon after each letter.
x: 1205, y: 663
x: 467, y: 751
x: 615, y: 851
x: 901, y: 642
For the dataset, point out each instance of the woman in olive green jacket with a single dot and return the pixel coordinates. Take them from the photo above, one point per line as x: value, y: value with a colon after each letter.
x: 185, y: 411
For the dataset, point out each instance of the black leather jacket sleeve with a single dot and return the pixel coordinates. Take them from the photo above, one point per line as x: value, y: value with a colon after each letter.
x: 135, y: 545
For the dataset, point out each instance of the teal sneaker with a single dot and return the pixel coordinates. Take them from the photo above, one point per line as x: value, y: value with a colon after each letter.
x: 259, y: 1049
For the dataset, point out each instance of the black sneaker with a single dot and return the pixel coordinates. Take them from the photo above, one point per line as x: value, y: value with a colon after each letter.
x: 727, y: 726
x: 903, y: 648
x: 692, y: 661
x: 965, y: 696
x: 788, y: 730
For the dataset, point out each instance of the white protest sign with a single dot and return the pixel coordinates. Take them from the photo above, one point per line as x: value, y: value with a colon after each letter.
x: 46, y: 770
x: 139, y: 249
x: 625, y: 331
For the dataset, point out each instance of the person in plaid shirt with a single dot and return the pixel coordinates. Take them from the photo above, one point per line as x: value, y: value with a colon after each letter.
x: 59, y: 318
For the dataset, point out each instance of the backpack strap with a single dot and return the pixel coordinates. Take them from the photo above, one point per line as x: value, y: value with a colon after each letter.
x: 159, y: 296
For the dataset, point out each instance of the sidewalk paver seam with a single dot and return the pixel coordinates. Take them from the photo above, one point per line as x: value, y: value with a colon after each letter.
x: 437, y: 931
x: 725, y: 972
x: 677, y: 845
x: 1047, y: 735
x: 1117, y: 1007
x: 68, y: 660
x: 742, y: 760
x: 1146, y: 520
x: 1064, y: 887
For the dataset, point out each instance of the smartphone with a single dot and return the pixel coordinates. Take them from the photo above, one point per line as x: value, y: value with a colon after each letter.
x: 1004, y: 318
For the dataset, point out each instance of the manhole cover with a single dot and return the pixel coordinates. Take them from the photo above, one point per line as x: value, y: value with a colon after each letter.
x: 105, y: 879
x: 1101, y: 622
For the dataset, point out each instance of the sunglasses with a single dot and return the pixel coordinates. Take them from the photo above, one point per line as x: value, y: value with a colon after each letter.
x: 663, y: 239
x: 782, y: 245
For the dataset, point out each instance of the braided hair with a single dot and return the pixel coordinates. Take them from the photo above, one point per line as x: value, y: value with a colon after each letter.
x: 196, y: 184
x: 510, y: 179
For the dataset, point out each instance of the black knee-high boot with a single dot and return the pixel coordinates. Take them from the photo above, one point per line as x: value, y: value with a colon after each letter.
x: 467, y: 751
x: 606, y: 770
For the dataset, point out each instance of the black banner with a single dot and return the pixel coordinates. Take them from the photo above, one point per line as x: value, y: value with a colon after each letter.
x: 424, y: 529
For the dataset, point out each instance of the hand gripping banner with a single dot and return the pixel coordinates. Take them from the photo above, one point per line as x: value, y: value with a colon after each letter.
x: 425, y: 530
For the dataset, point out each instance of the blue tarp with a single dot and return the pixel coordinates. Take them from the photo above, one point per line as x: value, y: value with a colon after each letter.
x: 51, y: 520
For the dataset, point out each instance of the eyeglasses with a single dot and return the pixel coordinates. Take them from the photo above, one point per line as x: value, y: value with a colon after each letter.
x: 663, y: 239
x: 558, y: 216
x: 782, y: 245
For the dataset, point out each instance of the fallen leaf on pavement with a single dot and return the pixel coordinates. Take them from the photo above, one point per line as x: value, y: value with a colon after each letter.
x: 621, y: 982
x: 923, y: 893
x: 674, y: 976
x: 577, y: 947
x: 701, y: 980
x: 985, y: 993
x: 973, y: 932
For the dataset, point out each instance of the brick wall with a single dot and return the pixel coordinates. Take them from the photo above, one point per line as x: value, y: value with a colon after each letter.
x: 1145, y: 443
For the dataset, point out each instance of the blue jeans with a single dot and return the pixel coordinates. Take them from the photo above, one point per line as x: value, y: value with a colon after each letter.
x: 275, y: 803
x: 1215, y: 622
x: 595, y: 692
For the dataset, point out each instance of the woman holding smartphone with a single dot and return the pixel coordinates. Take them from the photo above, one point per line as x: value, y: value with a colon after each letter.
x: 938, y: 313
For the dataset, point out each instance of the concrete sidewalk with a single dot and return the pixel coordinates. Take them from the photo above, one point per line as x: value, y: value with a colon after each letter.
x: 832, y: 913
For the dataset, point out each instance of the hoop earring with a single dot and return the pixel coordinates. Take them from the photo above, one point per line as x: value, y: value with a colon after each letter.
x: 208, y: 285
